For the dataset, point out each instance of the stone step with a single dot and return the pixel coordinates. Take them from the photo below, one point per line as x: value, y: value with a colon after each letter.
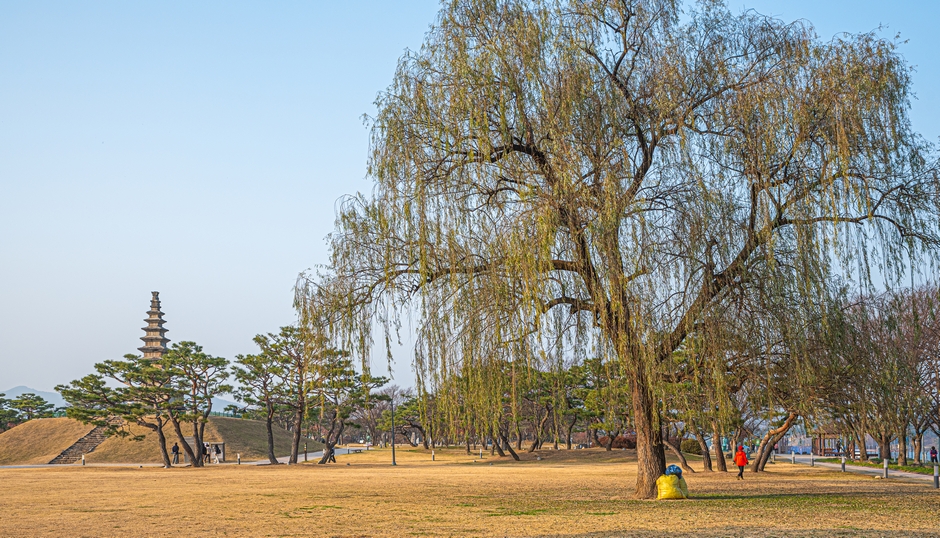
x: 88, y: 443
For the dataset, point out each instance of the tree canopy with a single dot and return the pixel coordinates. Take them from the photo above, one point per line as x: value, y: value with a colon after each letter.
x: 602, y: 177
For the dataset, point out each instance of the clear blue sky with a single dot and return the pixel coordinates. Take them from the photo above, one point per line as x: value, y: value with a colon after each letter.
x: 199, y: 149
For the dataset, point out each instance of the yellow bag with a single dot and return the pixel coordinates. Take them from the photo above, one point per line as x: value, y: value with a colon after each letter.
x: 671, y: 487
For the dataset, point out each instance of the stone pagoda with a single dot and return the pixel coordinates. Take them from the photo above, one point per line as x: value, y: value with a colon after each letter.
x: 154, y: 341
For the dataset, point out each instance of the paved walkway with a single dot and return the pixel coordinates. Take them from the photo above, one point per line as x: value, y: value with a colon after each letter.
x: 806, y: 460
x: 311, y: 457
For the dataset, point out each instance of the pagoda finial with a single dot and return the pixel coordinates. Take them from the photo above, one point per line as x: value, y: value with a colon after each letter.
x: 154, y: 341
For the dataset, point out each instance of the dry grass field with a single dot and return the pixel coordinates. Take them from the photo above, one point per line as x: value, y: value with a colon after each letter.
x: 578, y: 493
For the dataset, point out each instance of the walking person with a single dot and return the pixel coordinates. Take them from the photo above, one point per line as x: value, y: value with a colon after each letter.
x: 205, y: 454
x: 176, y: 453
x: 933, y: 454
x: 216, y: 452
x: 740, y: 459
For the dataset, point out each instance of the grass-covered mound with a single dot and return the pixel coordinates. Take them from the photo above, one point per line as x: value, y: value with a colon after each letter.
x: 241, y: 436
x: 117, y: 449
x: 250, y: 438
x: 40, y: 440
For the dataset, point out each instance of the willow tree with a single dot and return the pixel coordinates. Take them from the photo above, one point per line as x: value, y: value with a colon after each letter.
x: 604, y: 173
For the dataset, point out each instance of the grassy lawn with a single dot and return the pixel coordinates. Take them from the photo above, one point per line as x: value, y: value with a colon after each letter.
x: 576, y: 493
x: 926, y: 469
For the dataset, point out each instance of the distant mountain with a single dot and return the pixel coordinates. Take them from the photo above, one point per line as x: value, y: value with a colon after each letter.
x: 218, y: 404
x: 52, y: 397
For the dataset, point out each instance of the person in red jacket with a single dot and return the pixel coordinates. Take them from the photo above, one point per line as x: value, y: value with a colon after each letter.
x: 740, y: 459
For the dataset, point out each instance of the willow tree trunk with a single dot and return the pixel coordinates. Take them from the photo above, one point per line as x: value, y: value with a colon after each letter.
x: 706, y: 456
x: 650, y: 454
x: 902, y: 449
x: 509, y: 446
x: 884, y: 446
x: 770, y: 440
x: 497, y: 444
x: 918, y: 447
x: 676, y: 450
x: 719, y: 454
x: 862, y: 445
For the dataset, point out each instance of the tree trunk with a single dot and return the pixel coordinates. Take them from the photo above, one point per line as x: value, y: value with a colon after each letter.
x: 610, y: 440
x: 675, y: 450
x: 298, y: 425
x: 161, y: 439
x: 333, y: 437
x: 918, y: 447
x: 884, y: 446
x: 198, y: 439
x: 862, y: 445
x: 555, y: 426
x: 327, y: 452
x: 508, y: 446
x: 719, y: 454
x: 269, y: 424
x: 518, y: 437
x: 496, y: 444
x: 902, y: 449
x: 650, y: 454
x: 574, y: 420
x: 706, y: 457
x: 194, y: 458
x: 771, y: 438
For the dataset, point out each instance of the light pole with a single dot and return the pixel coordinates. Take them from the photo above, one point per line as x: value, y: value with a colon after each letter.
x: 393, y: 431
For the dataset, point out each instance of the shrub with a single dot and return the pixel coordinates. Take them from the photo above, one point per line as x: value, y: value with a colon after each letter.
x: 621, y: 441
x: 691, y: 446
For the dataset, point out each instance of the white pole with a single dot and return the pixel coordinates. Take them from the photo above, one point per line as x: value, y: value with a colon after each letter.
x: 239, y: 458
x: 936, y: 476
x: 843, y: 463
x: 83, y: 459
x: 432, y: 454
x: 886, y: 469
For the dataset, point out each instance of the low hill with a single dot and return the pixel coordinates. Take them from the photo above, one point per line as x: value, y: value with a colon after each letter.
x: 39, y: 441
x: 241, y: 436
x: 250, y: 438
